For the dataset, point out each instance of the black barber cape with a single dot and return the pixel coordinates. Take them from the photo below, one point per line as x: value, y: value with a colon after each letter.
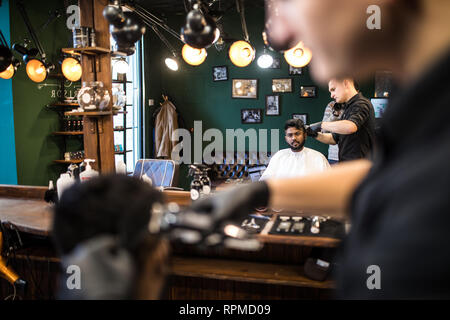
x: 401, y: 211
x: 357, y: 145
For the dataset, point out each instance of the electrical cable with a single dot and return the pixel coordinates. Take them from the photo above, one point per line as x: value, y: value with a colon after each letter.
x: 240, y: 8
x: 146, y: 15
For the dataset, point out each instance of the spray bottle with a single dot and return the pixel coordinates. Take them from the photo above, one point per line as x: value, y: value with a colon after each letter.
x: 89, y: 173
x: 196, y: 184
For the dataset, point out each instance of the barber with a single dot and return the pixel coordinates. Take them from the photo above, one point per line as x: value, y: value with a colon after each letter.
x: 355, y: 132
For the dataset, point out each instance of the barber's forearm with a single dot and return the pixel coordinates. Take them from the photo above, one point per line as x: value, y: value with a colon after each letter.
x: 326, y: 193
x: 340, y: 126
x: 326, y: 138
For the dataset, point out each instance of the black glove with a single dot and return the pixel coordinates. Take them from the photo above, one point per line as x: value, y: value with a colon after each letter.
x: 235, y: 203
x: 313, y: 129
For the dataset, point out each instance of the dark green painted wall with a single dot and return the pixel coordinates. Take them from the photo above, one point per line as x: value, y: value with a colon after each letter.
x: 197, y: 97
x: 33, y: 122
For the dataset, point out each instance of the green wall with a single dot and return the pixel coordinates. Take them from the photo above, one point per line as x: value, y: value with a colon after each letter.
x: 33, y: 122
x: 197, y: 97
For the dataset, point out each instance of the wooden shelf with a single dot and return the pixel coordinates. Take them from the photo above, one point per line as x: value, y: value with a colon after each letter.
x: 244, y: 271
x: 68, y: 161
x: 121, y: 152
x: 118, y: 54
x: 63, y: 104
x: 119, y: 112
x: 121, y: 81
x: 68, y: 133
x: 128, y: 128
x: 89, y: 113
x: 87, y: 50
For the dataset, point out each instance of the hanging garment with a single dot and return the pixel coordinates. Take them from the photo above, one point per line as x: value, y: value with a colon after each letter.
x: 166, y: 123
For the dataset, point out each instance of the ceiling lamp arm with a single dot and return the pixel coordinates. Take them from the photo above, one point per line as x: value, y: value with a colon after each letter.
x: 240, y: 9
x: 164, y: 40
x: 150, y: 19
x: 33, y: 35
x: 3, y: 40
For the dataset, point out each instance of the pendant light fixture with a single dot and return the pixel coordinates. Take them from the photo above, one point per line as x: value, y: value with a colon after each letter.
x: 241, y: 52
x: 71, y: 69
x: 171, y: 63
x: 8, y: 64
x: 121, y: 66
x: 37, y: 68
x: 298, y: 56
x: 265, y: 60
x: 193, y: 56
x: 200, y: 30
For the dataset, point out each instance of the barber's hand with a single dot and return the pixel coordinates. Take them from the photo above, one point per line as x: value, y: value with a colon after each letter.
x: 313, y: 129
x: 235, y: 203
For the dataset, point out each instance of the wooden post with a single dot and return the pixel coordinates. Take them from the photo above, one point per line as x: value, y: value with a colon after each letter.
x: 98, y: 131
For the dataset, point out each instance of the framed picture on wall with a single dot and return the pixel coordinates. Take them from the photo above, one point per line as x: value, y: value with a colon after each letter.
x: 273, y: 105
x: 308, y: 92
x: 301, y: 116
x: 282, y: 85
x: 293, y: 71
x: 220, y: 73
x: 249, y: 116
x: 244, y: 88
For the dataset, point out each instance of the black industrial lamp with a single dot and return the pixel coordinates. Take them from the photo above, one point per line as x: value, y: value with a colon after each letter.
x: 241, y: 52
x: 8, y: 64
x: 37, y: 68
x: 71, y: 68
x: 200, y: 30
x: 125, y: 27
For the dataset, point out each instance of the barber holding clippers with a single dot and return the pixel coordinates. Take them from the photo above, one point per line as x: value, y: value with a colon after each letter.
x: 355, y: 132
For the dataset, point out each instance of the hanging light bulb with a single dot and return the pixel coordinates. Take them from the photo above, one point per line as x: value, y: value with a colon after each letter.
x: 121, y: 66
x: 8, y: 73
x: 11, y: 70
x: 172, y: 63
x: 193, y: 56
x: 71, y: 69
x: 265, y: 60
x: 298, y: 56
x: 241, y: 53
x: 36, y: 70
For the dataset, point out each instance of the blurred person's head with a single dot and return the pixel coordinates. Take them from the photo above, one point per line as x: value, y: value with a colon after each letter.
x: 101, y: 226
x: 342, y: 90
x: 412, y: 33
x: 295, y: 134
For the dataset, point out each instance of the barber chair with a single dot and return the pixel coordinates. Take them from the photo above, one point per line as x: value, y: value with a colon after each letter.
x: 163, y: 173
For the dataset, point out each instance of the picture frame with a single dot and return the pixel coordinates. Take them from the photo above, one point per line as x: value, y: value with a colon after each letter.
x: 251, y: 116
x: 301, y: 116
x: 308, y: 92
x: 276, y: 64
x: 220, y: 73
x: 244, y: 89
x: 273, y: 105
x: 293, y: 71
x: 282, y: 85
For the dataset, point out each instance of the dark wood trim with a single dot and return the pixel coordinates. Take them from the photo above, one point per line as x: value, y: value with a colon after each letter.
x: 30, y: 192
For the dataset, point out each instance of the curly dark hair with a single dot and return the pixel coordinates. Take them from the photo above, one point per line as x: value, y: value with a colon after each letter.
x: 111, y: 204
x: 295, y: 123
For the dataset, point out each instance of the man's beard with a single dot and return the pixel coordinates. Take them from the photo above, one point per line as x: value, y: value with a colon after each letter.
x: 298, y: 147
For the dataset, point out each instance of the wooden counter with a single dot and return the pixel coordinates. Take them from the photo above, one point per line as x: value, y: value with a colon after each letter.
x: 24, y: 207
x: 274, y: 272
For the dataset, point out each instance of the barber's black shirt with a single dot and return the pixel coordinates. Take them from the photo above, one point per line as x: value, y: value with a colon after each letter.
x: 401, y: 211
x: 357, y: 145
